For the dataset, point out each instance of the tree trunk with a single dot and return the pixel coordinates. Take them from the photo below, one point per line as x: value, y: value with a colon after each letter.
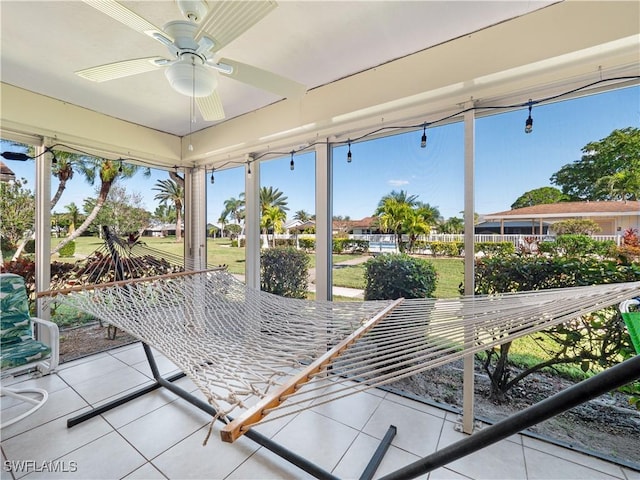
x: 178, y: 224
x: 61, y: 186
x: 102, y: 197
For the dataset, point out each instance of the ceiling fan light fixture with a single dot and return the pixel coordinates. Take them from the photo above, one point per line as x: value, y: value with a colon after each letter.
x: 180, y: 76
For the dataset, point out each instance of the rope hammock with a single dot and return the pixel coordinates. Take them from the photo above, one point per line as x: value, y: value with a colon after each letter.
x: 267, y: 355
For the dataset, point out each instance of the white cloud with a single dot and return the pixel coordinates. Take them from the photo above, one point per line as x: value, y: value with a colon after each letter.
x: 398, y: 183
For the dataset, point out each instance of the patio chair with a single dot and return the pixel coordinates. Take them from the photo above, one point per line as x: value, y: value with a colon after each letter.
x: 20, y: 350
x: 630, y: 310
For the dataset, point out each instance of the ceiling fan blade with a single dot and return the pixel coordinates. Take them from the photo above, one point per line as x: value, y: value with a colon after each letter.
x: 228, y: 20
x: 132, y: 20
x: 127, y: 68
x: 211, y: 107
x: 260, y: 78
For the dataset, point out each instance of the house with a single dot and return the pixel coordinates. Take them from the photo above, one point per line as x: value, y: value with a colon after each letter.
x: 365, y: 226
x: 612, y: 217
x: 161, y: 230
x: 513, y: 227
x: 6, y: 174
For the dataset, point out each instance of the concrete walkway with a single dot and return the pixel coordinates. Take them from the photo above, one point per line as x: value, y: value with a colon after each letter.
x: 337, y: 291
x: 340, y: 291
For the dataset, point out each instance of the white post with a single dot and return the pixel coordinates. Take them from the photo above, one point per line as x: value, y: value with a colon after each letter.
x: 43, y: 232
x: 195, y: 219
x: 252, y: 224
x: 469, y: 264
x: 324, y: 221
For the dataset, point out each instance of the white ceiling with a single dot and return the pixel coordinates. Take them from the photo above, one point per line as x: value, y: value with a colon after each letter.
x: 364, y: 62
x: 312, y: 42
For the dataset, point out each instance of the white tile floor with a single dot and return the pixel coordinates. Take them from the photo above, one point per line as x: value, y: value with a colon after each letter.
x: 160, y: 435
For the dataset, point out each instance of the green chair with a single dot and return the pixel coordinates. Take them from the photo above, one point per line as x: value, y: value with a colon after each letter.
x: 630, y: 310
x: 19, y: 350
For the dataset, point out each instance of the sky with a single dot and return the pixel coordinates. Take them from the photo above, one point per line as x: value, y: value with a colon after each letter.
x: 508, y: 162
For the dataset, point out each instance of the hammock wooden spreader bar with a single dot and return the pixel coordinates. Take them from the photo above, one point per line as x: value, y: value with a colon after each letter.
x: 233, y: 430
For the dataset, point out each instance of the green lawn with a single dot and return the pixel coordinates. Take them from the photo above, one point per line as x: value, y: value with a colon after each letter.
x: 450, y: 275
x: 220, y: 252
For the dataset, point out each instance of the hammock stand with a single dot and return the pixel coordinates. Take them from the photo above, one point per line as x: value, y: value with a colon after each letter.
x: 251, y: 434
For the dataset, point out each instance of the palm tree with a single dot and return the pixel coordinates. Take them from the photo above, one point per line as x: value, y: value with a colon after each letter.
x: 170, y: 192
x: 392, y: 214
x: 400, y: 197
x: 415, y: 224
x: 269, y: 197
x: 452, y: 225
x: 73, y: 213
x: 165, y: 213
x: 430, y: 214
x: 273, y: 218
x: 272, y: 197
x: 302, y: 215
x: 223, y: 222
x: 235, y: 208
x: 63, y: 169
x: 108, y: 171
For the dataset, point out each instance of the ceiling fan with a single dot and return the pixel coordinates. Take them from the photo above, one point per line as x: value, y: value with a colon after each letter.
x: 192, y: 43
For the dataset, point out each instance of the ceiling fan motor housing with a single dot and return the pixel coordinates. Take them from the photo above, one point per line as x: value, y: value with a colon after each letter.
x: 194, y: 10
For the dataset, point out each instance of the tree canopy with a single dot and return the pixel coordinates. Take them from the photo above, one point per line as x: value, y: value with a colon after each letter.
x: 609, y: 169
x: 17, y: 211
x: 540, y: 196
x: 401, y: 213
x: 170, y: 192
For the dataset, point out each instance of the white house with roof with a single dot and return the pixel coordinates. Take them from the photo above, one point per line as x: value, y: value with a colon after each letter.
x: 612, y: 217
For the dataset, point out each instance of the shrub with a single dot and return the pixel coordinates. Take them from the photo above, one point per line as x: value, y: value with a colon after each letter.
x: 30, y: 246
x: 68, y: 250
x: 307, y: 244
x: 348, y: 245
x: 579, y: 226
x: 450, y: 249
x: 284, y: 271
x: 396, y: 275
x: 285, y: 242
x: 517, y: 274
x: 576, y: 245
x: 594, y: 340
x: 495, y: 248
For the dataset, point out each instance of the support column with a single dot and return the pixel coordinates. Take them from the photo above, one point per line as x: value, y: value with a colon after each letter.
x: 469, y: 263
x: 195, y: 219
x: 252, y: 224
x: 324, y: 221
x: 42, y: 229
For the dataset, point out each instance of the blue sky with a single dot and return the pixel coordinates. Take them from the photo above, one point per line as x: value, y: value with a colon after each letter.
x: 508, y: 162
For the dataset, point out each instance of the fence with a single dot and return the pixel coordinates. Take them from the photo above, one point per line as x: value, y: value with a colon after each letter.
x: 385, y: 242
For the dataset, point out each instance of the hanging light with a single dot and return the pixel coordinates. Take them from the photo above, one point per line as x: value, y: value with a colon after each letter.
x: 54, y: 160
x: 21, y: 157
x: 120, y: 167
x: 291, y: 163
x: 349, y: 153
x: 423, y: 141
x: 528, y: 125
x: 213, y: 180
x: 249, y: 169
